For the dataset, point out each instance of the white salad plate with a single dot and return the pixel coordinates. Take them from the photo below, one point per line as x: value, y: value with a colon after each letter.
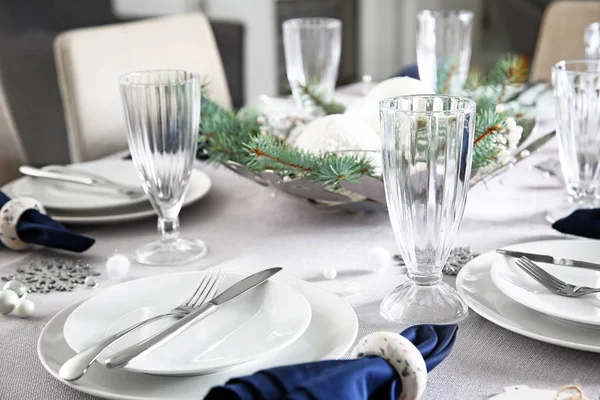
x: 56, y: 195
x: 516, y: 284
x: 260, y: 322
x: 475, y: 286
x: 330, y: 334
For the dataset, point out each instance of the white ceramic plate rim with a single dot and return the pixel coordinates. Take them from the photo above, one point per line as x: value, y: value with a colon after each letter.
x: 491, y: 315
x: 216, y: 365
x: 200, y: 184
x: 95, y: 167
x: 509, y: 289
x: 303, y: 287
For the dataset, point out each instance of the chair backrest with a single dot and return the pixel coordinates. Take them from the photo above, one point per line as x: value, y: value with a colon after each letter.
x: 90, y: 61
x: 561, y: 35
x: 11, y: 149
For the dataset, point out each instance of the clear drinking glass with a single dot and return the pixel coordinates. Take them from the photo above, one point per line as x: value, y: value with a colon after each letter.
x: 312, y: 49
x: 427, y: 144
x: 577, y: 95
x: 592, y: 41
x: 444, y: 41
x: 162, y: 110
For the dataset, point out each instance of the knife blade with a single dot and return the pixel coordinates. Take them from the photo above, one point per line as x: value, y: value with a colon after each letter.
x: 565, y: 262
x: 124, y: 356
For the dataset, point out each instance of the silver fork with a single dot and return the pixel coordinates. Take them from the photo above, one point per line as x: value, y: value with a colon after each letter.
x: 551, y: 282
x: 76, y: 366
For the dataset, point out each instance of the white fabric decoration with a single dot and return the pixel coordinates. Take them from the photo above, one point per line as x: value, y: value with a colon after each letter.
x: 402, y: 354
x: 117, y: 266
x: 367, y: 108
x: 9, y: 217
x: 338, y: 133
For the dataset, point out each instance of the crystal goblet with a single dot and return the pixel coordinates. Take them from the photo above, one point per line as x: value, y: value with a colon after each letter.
x: 427, y: 146
x: 312, y: 49
x: 444, y: 41
x: 162, y: 111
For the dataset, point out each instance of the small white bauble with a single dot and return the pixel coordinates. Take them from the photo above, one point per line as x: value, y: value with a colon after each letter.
x: 24, y: 308
x: 8, y: 301
x: 16, y: 286
x: 367, y: 108
x: 329, y: 273
x: 117, y: 266
x: 339, y: 133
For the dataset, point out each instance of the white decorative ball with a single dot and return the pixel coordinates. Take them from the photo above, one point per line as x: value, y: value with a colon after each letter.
x: 117, y: 266
x: 329, y: 273
x: 339, y: 133
x: 8, y: 301
x: 367, y: 108
x: 24, y: 308
x: 16, y: 286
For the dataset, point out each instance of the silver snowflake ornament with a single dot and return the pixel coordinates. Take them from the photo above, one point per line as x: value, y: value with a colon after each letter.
x: 54, y: 275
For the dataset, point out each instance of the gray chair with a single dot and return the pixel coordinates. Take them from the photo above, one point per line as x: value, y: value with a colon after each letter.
x: 27, y: 32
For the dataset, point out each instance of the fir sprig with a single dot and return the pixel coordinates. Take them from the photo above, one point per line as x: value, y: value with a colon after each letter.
x: 328, y: 108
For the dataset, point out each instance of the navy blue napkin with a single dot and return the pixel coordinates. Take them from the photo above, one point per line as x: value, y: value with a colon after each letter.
x: 36, y: 228
x: 412, y: 71
x: 369, y: 378
x: 584, y: 222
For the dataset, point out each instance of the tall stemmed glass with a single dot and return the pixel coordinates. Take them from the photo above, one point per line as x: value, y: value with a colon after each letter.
x: 162, y: 110
x: 312, y: 49
x: 427, y: 144
x: 592, y: 41
x: 577, y: 94
x: 444, y: 42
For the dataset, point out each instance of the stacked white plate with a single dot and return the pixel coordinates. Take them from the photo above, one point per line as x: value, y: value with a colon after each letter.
x: 496, y: 288
x: 80, y: 204
x: 284, y: 321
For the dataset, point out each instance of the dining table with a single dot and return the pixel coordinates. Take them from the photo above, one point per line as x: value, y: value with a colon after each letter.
x: 248, y: 227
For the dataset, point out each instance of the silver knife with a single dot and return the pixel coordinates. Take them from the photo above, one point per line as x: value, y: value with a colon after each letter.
x: 124, y: 356
x: 82, y: 180
x: 550, y: 260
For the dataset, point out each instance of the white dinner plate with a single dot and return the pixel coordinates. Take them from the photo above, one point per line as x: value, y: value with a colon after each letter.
x: 199, y: 187
x: 475, y: 286
x: 262, y: 321
x: 522, y: 288
x: 56, y: 195
x: 331, y: 333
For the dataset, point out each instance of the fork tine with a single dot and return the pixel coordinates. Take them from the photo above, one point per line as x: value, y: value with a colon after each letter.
x: 545, y: 274
x: 213, y: 292
x: 200, y: 288
x: 536, y: 276
x: 202, y: 299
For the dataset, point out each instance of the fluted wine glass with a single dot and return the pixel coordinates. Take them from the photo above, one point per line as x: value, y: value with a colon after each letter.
x: 312, y: 49
x: 444, y: 41
x: 162, y: 111
x: 427, y: 144
x: 577, y: 94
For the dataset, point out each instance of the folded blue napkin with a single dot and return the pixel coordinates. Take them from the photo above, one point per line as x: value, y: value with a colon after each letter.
x: 412, y: 71
x: 36, y: 228
x: 368, y: 378
x: 584, y: 222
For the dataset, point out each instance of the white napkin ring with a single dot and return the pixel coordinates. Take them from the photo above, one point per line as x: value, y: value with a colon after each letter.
x: 9, y: 217
x: 402, y: 355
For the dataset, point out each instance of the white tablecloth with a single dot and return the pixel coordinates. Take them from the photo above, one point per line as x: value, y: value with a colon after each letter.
x: 250, y: 227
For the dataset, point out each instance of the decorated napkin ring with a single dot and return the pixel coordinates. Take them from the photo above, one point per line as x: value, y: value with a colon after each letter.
x: 402, y: 355
x: 10, y: 213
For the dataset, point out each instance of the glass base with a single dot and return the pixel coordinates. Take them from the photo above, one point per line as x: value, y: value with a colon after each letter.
x: 173, y: 252
x: 412, y: 304
x: 567, y: 207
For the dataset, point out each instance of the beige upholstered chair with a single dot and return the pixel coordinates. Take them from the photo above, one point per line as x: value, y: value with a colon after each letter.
x: 11, y: 150
x: 561, y: 35
x: 91, y: 60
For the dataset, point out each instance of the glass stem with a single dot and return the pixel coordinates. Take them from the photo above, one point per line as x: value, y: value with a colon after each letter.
x: 168, y: 229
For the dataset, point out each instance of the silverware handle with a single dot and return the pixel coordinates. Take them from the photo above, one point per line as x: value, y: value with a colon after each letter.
x: 124, y: 356
x: 40, y: 173
x: 76, y: 366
